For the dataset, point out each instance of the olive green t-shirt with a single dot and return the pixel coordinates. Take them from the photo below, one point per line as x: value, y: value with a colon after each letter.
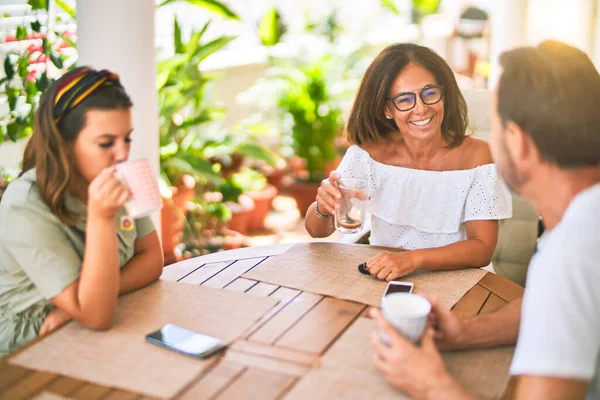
x: 40, y: 256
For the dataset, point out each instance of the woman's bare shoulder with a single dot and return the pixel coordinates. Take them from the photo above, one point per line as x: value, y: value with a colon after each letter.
x: 374, y: 149
x: 474, y: 152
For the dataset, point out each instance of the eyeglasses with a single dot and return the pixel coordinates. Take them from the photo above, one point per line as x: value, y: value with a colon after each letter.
x: 408, y: 100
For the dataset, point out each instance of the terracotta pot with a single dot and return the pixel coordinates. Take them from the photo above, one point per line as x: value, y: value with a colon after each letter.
x: 240, y: 214
x: 263, y: 202
x: 275, y: 174
x: 233, y: 240
x: 239, y: 221
x: 305, y: 194
x: 184, y: 192
x: 297, y: 165
x: 172, y: 222
x: 332, y: 166
x: 275, y: 177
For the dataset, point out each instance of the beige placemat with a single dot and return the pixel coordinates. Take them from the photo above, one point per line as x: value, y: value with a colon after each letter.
x: 347, y: 370
x: 331, y: 269
x: 121, y: 358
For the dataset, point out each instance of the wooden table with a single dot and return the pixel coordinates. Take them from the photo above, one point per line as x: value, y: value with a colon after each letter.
x: 274, y: 354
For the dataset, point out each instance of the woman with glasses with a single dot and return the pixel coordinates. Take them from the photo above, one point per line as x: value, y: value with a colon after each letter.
x: 433, y: 190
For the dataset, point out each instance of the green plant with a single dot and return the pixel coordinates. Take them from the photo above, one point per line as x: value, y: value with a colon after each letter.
x: 228, y: 149
x: 230, y: 189
x: 5, y: 178
x: 29, y: 71
x: 186, y: 146
x: 184, y: 107
x: 183, y: 102
x: 214, y: 6
x: 328, y: 28
x: 419, y: 10
x: 271, y: 28
x: 250, y: 180
x: 422, y: 8
x: 310, y: 112
x: 206, y: 219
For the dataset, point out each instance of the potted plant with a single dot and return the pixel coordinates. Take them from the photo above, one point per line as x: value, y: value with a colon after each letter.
x: 183, y: 108
x: 206, y: 227
x: 230, y: 149
x: 262, y: 193
x: 241, y: 206
x: 312, y: 116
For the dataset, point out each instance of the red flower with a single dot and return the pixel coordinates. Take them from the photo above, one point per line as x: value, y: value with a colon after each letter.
x: 32, y: 76
x: 33, y: 48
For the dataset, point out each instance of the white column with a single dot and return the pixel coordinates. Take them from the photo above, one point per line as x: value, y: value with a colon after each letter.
x: 509, y: 27
x: 119, y: 35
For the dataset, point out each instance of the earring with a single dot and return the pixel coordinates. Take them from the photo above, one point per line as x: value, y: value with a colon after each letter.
x: 388, y: 116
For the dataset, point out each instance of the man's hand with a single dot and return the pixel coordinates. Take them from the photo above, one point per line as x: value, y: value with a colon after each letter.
x: 417, y: 371
x: 53, y: 320
x: 448, y: 328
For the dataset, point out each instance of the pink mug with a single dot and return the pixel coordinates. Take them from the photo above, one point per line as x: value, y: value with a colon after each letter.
x: 143, y: 184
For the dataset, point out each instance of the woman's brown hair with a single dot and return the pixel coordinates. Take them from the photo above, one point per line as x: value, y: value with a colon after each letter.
x: 49, y: 149
x: 367, y: 122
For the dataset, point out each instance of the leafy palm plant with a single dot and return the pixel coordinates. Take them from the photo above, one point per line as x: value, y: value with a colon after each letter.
x: 183, y: 106
x: 214, y: 6
x: 185, y: 148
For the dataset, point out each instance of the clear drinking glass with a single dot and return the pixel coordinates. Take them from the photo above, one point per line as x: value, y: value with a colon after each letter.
x: 350, y: 214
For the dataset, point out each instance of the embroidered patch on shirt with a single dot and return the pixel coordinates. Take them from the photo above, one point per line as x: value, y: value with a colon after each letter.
x: 127, y: 223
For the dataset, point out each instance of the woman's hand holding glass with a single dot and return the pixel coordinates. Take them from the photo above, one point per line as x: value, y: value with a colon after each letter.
x: 106, y: 195
x: 328, y: 194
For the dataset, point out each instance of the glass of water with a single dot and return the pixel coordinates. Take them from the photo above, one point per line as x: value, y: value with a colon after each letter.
x: 350, y: 214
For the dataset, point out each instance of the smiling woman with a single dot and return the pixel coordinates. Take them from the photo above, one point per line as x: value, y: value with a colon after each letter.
x: 63, y: 252
x: 434, y: 191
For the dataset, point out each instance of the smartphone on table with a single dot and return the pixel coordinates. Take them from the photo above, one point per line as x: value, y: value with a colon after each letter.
x: 398, y: 287
x: 185, y: 341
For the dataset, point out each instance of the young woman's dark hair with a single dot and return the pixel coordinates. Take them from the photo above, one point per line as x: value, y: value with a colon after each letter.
x: 58, y: 121
x: 367, y: 122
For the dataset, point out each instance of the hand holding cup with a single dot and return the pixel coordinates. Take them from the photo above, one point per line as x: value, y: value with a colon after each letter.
x: 328, y: 194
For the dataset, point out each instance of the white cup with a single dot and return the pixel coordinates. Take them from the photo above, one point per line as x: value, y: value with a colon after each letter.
x: 407, y: 312
x: 143, y: 184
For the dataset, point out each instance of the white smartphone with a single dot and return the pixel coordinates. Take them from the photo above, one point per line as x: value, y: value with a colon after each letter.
x: 399, y: 287
x: 187, y: 342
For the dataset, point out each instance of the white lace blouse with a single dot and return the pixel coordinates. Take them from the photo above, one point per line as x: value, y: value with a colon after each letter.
x: 416, y: 209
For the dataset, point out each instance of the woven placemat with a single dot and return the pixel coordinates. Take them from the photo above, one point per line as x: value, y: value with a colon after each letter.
x: 347, y: 370
x: 331, y: 269
x: 121, y: 358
